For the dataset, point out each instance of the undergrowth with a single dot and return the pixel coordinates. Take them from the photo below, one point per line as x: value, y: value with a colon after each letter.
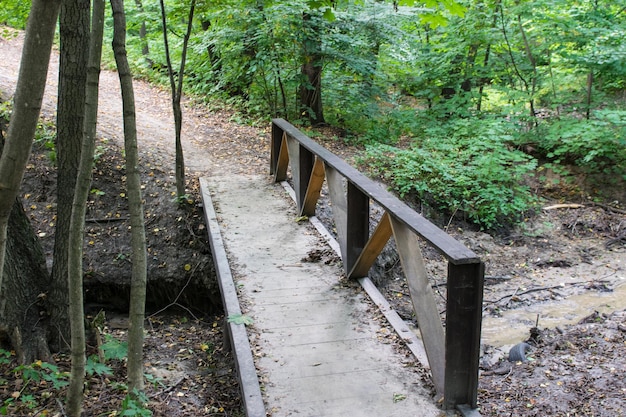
x: 34, y: 387
x: 467, y: 166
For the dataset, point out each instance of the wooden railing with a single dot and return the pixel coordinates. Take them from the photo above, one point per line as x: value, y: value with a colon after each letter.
x: 453, y: 355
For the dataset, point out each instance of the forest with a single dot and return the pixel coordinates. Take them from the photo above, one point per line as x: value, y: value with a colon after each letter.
x: 478, y: 97
x: 472, y: 110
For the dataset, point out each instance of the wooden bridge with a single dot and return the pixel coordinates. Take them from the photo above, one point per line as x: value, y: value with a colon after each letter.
x: 306, y: 340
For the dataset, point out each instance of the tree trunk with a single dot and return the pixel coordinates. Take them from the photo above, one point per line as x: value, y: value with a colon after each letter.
x: 145, y: 49
x: 311, y: 86
x: 74, y: 37
x: 533, y: 63
x: 177, y: 92
x: 589, y: 93
x: 22, y: 300
x: 27, y: 105
x: 77, y: 220
x: 133, y: 182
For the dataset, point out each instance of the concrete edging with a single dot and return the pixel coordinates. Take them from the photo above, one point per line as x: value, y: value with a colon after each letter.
x: 239, y: 342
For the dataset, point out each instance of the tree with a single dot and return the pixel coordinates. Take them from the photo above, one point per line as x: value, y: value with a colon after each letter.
x: 77, y: 219
x: 312, y: 58
x: 74, y: 50
x: 27, y: 105
x: 145, y: 48
x: 177, y: 93
x: 133, y: 183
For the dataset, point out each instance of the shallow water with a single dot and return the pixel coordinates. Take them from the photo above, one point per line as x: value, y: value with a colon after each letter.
x: 514, y: 325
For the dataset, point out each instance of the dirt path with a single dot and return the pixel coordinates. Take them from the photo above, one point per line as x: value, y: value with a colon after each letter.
x: 208, y: 136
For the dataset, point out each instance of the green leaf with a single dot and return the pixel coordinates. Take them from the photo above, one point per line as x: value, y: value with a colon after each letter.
x: 94, y: 367
x: 240, y: 319
x: 114, y: 349
x: 329, y: 15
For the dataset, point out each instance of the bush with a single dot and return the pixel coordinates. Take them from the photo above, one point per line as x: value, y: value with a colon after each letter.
x: 598, y: 145
x: 473, y: 170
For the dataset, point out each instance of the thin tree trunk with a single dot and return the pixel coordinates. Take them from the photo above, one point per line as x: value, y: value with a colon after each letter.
x: 145, y: 49
x: 483, y: 81
x: 589, y: 91
x: 527, y: 88
x: 533, y: 63
x: 74, y: 51
x: 133, y: 182
x: 177, y: 92
x: 311, y: 87
x: 27, y: 105
x: 77, y: 219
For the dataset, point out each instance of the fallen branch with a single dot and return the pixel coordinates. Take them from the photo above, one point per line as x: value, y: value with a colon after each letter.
x: 167, y: 390
x: 578, y: 206
x: 562, y: 206
x: 107, y: 220
x: 553, y: 287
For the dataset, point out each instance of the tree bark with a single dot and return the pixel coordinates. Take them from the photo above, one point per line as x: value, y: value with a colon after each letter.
x: 74, y: 50
x: 133, y: 182
x: 77, y: 219
x: 27, y: 105
x: 311, y: 85
x: 22, y: 300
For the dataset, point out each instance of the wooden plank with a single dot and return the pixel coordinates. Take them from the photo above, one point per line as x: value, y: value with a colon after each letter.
x: 276, y: 141
x: 293, y: 147
x: 453, y: 250
x: 372, y: 248
x: 282, y: 161
x: 314, y: 188
x: 358, y: 225
x: 338, y: 199
x: 415, y: 345
x: 306, y: 161
x: 246, y: 369
x: 463, y: 325
x: 424, y: 304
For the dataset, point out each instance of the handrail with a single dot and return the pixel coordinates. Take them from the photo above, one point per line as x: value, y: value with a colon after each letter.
x: 453, y: 357
x: 452, y: 249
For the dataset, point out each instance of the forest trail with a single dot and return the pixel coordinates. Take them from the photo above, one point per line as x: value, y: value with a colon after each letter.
x: 209, y: 138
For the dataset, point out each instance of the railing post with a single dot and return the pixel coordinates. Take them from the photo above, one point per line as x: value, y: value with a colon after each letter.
x: 357, y: 231
x: 463, y: 325
x: 277, y: 138
x: 306, y: 162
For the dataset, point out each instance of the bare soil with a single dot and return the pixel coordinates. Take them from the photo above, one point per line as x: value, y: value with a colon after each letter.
x: 562, y: 272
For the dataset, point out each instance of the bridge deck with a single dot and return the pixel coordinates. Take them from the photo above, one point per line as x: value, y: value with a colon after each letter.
x: 320, y: 347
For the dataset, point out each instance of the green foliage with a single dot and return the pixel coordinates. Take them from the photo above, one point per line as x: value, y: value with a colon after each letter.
x: 240, y: 319
x: 42, y: 371
x: 14, y: 13
x: 597, y: 144
x: 5, y: 357
x: 38, y: 373
x: 134, y: 405
x: 183, y: 199
x: 112, y: 349
x: 94, y: 367
x: 465, y: 166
